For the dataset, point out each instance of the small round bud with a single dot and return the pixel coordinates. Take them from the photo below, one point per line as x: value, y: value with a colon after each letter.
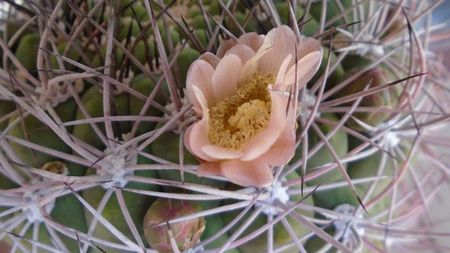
x: 159, y: 230
x: 56, y: 167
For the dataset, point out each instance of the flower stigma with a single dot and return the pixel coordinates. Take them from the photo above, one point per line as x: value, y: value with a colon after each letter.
x: 237, y: 118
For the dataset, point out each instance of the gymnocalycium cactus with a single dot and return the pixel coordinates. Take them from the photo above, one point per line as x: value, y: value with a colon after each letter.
x: 220, y: 126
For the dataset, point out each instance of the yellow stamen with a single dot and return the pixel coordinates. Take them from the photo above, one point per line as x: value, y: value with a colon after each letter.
x: 235, y: 119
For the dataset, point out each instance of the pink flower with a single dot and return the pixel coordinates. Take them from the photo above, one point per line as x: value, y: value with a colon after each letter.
x: 242, y: 95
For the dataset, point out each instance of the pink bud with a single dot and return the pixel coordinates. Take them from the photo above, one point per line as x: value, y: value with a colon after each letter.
x: 158, y: 228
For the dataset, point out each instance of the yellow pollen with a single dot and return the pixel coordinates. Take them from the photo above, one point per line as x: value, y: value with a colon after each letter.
x: 235, y: 119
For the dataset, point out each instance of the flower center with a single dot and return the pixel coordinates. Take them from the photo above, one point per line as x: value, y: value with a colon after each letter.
x: 235, y: 119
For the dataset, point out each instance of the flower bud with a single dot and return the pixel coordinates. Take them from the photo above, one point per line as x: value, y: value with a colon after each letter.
x: 185, y: 233
x: 56, y: 167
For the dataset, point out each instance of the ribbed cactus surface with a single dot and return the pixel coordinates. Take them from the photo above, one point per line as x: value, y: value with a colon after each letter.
x: 221, y: 126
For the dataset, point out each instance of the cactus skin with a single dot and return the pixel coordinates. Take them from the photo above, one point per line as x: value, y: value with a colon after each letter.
x: 281, y: 235
x: 67, y: 211
x: 214, y: 224
x: 166, y: 146
x: 6, y: 107
x: 323, y: 156
x: 187, y: 56
x: 386, y: 98
x: 335, y: 76
x: 72, y: 54
x: 368, y: 168
x: 123, y: 104
x: 129, y: 17
x: 332, y: 11
x: 36, y: 132
x: 136, y: 205
x: 259, y: 244
x: 186, y: 233
x: 27, y: 51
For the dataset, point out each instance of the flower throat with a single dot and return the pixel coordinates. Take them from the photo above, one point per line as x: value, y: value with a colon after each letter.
x: 235, y: 119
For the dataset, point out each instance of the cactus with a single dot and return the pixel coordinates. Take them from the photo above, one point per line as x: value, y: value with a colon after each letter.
x: 113, y: 116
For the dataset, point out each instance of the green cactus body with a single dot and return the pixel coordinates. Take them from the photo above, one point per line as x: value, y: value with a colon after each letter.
x: 27, y: 51
x: 136, y: 205
x: 122, y: 104
x: 174, y: 36
x: 72, y: 54
x: 198, y: 22
x: 99, y: 57
x: 167, y: 147
x: 145, y: 86
x: 323, y: 156
x: 129, y: 26
x: 135, y: 10
x: 285, y: 13
x: 386, y: 99
x: 332, y: 11
x: 6, y: 183
x: 362, y: 32
x: 339, y: 142
x: 214, y: 224
x: 35, y: 131
x: 94, y: 106
x: 12, y: 26
x: 315, y: 243
x: 144, y: 51
x: 67, y: 211
x: 240, y: 18
x: 259, y: 244
x: 186, y: 57
x: 6, y: 107
x: 309, y: 27
x: 354, y: 61
x: 368, y: 167
x: 335, y: 76
x: 329, y: 199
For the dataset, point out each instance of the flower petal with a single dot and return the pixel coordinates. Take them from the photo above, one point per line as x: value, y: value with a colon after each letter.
x: 262, y: 141
x: 281, y: 41
x: 252, y: 173
x: 244, y: 52
x: 197, y: 138
x: 220, y: 153
x: 283, y: 69
x: 200, y: 97
x: 200, y: 75
x: 197, y: 134
x: 225, y: 45
x: 306, y: 68
x: 252, y: 40
x: 210, y: 58
x: 306, y: 46
x: 209, y: 168
x: 251, y: 66
x: 283, y: 149
x: 226, y: 76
